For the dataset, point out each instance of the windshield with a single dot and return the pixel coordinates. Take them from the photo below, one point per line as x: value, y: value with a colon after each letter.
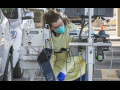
x: 37, y: 14
x: 10, y: 13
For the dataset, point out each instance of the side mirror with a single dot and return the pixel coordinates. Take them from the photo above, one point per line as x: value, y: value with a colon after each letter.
x: 29, y: 15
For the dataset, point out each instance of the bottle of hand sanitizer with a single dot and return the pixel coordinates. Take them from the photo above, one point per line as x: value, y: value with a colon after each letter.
x: 46, y: 26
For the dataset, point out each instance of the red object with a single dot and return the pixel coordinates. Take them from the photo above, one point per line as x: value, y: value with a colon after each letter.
x: 9, y: 22
x: 27, y: 52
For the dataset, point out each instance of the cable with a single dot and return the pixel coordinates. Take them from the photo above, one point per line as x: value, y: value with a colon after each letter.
x: 27, y: 65
x: 33, y: 48
x: 62, y: 59
x: 84, y: 25
x: 74, y: 67
x: 80, y: 69
x: 81, y: 26
x: 47, y: 43
x: 66, y: 62
x: 69, y: 62
x: 91, y: 21
x: 30, y: 71
x: 111, y: 63
x: 81, y: 29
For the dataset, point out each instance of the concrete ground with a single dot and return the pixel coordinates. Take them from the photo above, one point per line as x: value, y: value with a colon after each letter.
x: 101, y: 69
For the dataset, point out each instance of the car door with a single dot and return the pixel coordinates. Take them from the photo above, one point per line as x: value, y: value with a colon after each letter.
x: 7, y: 38
x: 1, y: 43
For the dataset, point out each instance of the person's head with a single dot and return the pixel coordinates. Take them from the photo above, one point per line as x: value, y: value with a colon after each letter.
x: 54, y: 20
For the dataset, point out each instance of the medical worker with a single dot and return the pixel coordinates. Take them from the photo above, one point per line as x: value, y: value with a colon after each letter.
x: 65, y: 68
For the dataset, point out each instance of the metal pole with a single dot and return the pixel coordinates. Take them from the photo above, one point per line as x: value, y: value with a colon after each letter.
x: 90, y: 16
x: 90, y: 72
x: 90, y: 50
x: 89, y: 62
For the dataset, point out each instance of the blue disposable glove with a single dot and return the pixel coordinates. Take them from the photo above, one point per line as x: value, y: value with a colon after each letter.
x: 61, y: 76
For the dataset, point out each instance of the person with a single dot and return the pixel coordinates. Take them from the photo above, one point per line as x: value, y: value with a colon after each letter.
x: 65, y: 67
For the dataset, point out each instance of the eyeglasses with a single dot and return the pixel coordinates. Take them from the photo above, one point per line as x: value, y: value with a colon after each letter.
x: 58, y: 26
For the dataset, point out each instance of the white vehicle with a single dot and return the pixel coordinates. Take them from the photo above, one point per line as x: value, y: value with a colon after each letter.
x: 6, y: 50
x: 37, y: 15
x: 19, y: 18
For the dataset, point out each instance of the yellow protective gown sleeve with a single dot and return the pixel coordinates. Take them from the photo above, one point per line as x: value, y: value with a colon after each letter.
x: 60, y: 59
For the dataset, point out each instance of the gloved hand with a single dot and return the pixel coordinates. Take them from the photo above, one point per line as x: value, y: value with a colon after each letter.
x: 61, y: 75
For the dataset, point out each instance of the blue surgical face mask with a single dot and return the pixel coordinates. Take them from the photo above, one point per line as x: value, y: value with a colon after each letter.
x: 61, y: 30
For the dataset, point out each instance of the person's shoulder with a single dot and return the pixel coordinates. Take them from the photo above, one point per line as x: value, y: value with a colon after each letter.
x: 72, y: 25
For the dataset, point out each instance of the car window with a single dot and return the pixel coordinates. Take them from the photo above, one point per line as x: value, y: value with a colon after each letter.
x: 37, y: 14
x: 10, y: 13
